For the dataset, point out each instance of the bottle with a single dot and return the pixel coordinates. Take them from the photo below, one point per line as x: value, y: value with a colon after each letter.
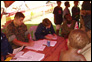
x: 48, y: 43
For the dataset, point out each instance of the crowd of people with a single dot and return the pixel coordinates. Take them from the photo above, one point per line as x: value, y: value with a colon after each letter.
x: 16, y: 32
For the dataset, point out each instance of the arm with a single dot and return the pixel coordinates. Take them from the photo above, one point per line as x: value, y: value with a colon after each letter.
x: 20, y: 43
x: 52, y: 29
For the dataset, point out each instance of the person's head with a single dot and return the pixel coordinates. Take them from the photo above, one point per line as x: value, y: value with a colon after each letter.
x: 46, y: 22
x: 59, y: 3
x: 68, y: 18
x: 67, y: 4
x: 76, y: 3
x: 18, y: 19
x: 78, y: 39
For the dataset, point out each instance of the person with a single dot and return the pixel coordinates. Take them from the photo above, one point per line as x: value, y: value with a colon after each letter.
x: 78, y: 39
x: 76, y: 12
x: 6, y: 48
x: 44, y: 29
x: 67, y: 26
x: 66, y: 10
x: 58, y: 19
x: 85, y: 20
x: 17, y: 32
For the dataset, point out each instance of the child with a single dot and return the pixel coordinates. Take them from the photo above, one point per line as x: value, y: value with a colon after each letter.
x: 78, y: 39
x: 67, y: 26
x: 66, y: 10
x: 76, y: 12
x: 58, y: 12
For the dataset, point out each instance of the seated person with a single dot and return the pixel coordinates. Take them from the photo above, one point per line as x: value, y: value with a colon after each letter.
x: 5, y: 48
x: 67, y: 26
x: 78, y: 39
x: 17, y: 32
x: 44, y: 29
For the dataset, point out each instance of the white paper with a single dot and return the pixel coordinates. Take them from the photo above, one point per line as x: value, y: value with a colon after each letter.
x: 38, y: 46
x: 52, y: 43
x: 31, y: 56
x: 17, y: 50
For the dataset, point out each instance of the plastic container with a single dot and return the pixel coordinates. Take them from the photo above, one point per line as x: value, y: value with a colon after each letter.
x: 48, y: 43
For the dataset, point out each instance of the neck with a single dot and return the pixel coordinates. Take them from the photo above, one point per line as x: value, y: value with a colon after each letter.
x: 73, y: 50
x: 15, y: 23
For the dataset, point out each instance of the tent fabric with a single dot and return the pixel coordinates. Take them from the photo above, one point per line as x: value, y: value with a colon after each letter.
x: 8, y: 3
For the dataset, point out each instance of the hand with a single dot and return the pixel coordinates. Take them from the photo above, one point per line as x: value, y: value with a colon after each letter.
x: 10, y: 55
x: 48, y: 37
x: 31, y: 43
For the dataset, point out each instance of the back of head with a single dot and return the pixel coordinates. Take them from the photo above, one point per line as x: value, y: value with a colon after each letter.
x: 19, y: 14
x: 66, y: 3
x: 46, y: 22
x: 78, y: 39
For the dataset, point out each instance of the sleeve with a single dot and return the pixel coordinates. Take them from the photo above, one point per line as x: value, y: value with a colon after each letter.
x: 11, y: 38
x: 38, y: 33
x: 9, y: 33
x: 54, y: 12
x: 52, y: 29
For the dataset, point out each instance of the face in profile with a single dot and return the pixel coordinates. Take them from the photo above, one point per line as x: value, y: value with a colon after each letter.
x: 48, y: 26
x: 19, y: 21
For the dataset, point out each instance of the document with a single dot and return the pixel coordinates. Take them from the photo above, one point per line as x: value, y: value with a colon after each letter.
x: 30, y: 56
x: 38, y: 46
x: 17, y: 50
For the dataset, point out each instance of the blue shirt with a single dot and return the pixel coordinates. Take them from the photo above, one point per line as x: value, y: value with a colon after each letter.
x: 5, y: 46
x: 42, y: 31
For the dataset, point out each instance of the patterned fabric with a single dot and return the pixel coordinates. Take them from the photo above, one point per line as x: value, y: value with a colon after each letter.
x: 19, y: 32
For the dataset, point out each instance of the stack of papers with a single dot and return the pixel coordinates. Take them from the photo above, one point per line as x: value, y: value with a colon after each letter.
x: 29, y: 56
x: 40, y: 45
x: 17, y: 50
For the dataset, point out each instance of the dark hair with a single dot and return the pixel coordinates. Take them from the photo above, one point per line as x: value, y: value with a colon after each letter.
x: 86, y: 5
x: 19, y: 14
x: 46, y: 22
x: 58, y: 1
x: 78, y: 39
x: 66, y: 3
x: 76, y: 1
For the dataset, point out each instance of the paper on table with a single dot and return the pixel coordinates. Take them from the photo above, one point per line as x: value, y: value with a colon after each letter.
x: 17, y: 50
x: 52, y: 43
x: 38, y: 46
x: 31, y: 56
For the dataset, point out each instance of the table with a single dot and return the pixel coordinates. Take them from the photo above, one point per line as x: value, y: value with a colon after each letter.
x: 52, y: 53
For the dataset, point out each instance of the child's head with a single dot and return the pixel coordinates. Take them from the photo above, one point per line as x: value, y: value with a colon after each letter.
x: 68, y: 18
x: 76, y: 3
x: 67, y: 4
x: 78, y: 39
x: 59, y: 3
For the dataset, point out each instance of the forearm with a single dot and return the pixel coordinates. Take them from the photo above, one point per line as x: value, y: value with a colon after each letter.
x: 20, y: 43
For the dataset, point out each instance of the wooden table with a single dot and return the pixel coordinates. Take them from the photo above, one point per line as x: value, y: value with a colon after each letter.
x: 52, y: 53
